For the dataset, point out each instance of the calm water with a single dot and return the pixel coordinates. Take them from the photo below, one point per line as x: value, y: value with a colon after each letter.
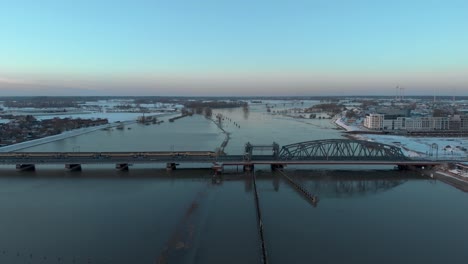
x: 365, y: 217
x: 141, y: 217
x: 147, y: 215
x: 184, y: 134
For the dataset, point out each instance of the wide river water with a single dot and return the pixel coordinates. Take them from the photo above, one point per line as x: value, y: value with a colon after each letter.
x: 149, y: 215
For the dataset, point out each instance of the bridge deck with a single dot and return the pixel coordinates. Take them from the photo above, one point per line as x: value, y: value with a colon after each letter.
x: 189, y: 157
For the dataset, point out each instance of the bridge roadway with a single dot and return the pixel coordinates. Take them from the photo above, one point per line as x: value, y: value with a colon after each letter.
x: 108, y: 157
x: 324, y: 152
x: 208, y: 157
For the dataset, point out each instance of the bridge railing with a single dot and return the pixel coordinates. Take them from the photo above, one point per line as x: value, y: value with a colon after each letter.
x: 343, y: 158
x: 320, y: 150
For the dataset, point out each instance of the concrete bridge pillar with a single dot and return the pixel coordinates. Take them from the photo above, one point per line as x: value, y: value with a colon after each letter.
x: 25, y: 167
x: 217, y: 169
x: 248, y: 167
x: 275, y: 167
x: 122, y: 166
x: 403, y: 167
x: 415, y: 167
x: 171, y: 166
x: 73, y: 167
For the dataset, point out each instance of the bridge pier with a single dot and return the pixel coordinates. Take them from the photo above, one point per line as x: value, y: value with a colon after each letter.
x: 171, y: 166
x: 248, y: 167
x: 25, y: 167
x: 217, y: 169
x: 122, y: 166
x: 415, y: 167
x: 275, y: 167
x: 73, y: 167
x: 403, y: 167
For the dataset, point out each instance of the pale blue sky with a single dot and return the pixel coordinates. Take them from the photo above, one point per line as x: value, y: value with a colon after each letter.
x: 233, y: 47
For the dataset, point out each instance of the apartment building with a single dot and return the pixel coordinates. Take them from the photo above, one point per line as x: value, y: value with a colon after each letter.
x: 374, y: 121
x: 453, y: 123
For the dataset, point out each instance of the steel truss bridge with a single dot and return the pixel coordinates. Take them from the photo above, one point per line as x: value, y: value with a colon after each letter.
x: 330, y: 151
x: 340, y: 149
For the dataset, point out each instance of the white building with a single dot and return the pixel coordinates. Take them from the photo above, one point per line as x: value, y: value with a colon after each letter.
x: 374, y: 121
x: 378, y: 122
x: 423, y: 123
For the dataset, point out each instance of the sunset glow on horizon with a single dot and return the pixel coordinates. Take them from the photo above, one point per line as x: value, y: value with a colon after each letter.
x: 233, y: 48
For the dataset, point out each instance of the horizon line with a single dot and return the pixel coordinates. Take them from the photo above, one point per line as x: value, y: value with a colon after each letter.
x: 233, y: 96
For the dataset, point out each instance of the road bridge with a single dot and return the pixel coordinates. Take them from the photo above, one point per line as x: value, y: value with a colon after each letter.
x: 318, y: 152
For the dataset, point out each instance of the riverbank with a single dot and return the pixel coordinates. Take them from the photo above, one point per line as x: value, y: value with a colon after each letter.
x: 64, y: 135
x: 338, y: 121
x: 458, y: 181
x: 73, y: 133
x: 417, y: 147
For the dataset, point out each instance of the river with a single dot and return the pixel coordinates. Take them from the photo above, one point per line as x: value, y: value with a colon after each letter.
x: 149, y: 215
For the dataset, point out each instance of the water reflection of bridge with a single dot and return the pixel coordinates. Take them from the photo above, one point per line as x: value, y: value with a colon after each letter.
x: 328, y: 152
x: 337, y: 183
x: 341, y: 188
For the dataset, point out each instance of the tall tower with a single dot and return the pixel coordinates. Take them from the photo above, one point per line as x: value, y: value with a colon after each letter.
x: 397, y: 89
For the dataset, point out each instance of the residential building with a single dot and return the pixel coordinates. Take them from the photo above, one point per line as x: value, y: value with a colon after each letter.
x: 452, y: 123
x: 374, y: 121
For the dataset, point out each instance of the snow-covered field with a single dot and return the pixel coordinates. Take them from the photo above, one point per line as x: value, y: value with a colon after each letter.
x: 447, y: 148
x: 112, y: 117
x: 94, y: 110
x: 420, y: 147
x: 459, y: 172
x: 341, y: 122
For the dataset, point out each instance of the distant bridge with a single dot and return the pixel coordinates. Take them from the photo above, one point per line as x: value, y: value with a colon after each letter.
x: 329, y: 152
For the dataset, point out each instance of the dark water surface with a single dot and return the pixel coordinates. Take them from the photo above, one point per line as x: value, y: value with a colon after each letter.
x: 365, y: 217
x: 139, y: 217
x: 148, y: 215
